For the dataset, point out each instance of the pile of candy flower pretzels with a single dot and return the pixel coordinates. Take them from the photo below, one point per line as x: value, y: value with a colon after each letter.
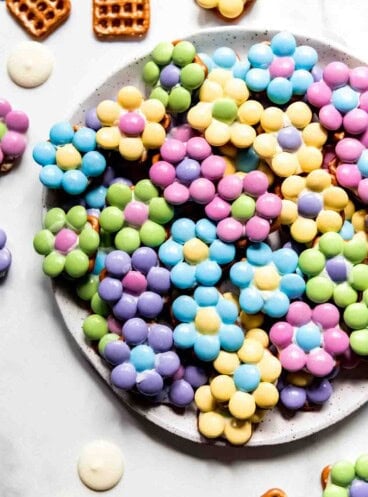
x: 216, y: 228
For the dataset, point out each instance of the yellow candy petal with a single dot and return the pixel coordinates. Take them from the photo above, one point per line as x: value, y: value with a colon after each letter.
x: 303, y: 230
x: 226, y: 362
x: 266, y: 395
x: 349, y: 210
x: 207, y: 4
x: 269, y: 367
x: 309, y: 158
x: 131, y: 148
x: 250, y: 112
x: 314, y: 135
x: 222, y: 388
x: 204, y: 399
x: 217, y: 133
x: 130, y: 97
x: 108, y: 112
x: 272, y: 119
x: 329, y: 221
x: 251, y: 351
x: 285, y: 164
x: 289, y: 212
x: 200, y: 116
x: 236, y: 89
x: 242, y: 135
x: 153, y: 109
x: 292, y: 187
x: 211, y: 424
x: 265, y: 145
x: 318, y: 180
x: 220, y: 76
x: 210, y: 91
x: 335, y: 198
x: 249, y: 321
x: 153, y: 135
x: 299, y: 114
x: 258, y: 334
x: 108, y: 138
x: 359, y: 220
x: 242, y: 405
x: 237, y: 432
x: 231, y: 8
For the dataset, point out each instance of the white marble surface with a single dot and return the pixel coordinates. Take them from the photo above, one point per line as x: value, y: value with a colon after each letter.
x: 51, y: 401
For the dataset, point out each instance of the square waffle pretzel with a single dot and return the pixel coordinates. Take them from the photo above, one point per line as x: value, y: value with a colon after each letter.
x: 39, y: 17
x: 114, y: 18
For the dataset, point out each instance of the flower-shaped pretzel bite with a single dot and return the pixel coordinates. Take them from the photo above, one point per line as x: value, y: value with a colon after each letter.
x: 291, y: 142
x: 342, y: 98
x: 267, y: 280
x: 194, y: 254
x: 187, y: 171
x: 242, y: 391
x: 335, y: 269
x: 345, y: 478
x: 244, y: 207
x: 141, y: 356
x: 174, y: 73
x: 206, y: 323
x: 310, y: 339
x: 131, y: 124
x: 68, y: 241
x: 134, y: 286
x: 69, y: 159
x: 220, y: 114
x: 312, y: 205
x: 281, y: 69
x: 135, y: 215
x: 13, y: 126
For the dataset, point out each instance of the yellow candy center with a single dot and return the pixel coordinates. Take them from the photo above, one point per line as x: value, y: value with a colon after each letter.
x: 266, y: 278
x: 207, y: 321
x: 195, y: 251
x: 68, y: 157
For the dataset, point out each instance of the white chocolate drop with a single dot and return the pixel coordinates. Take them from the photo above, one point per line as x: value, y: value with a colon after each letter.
x: 101, y: 465
x: 30, y: 64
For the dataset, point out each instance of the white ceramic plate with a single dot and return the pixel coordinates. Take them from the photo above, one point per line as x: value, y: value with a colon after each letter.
x: 350, y: 393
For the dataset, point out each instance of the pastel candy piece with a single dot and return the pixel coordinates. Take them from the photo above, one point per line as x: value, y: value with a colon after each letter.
x: 65, y: 240
x: 100, y: 465
x: 30, y: 64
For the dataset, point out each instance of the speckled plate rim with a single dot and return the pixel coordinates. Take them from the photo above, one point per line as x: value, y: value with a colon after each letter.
x: 275, y: 429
